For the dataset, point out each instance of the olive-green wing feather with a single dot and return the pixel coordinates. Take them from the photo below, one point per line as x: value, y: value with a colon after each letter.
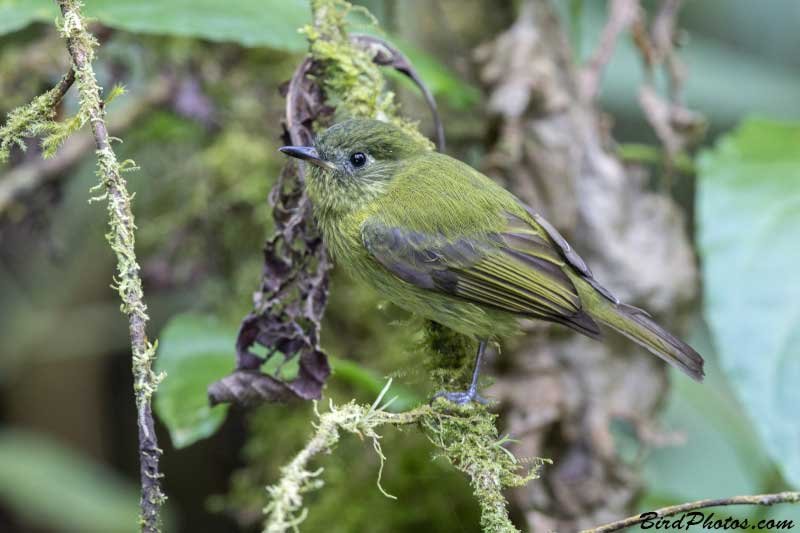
x: 516, y: 269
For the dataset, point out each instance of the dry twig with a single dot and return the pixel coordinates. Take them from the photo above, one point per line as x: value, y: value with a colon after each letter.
x: 676, y: 126
x: 622, y: 15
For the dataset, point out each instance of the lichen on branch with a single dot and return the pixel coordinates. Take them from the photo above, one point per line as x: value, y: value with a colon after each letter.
x: 466, y: 436
x: 37, y: 119
x: 353, y: 83
x: 286, y: 510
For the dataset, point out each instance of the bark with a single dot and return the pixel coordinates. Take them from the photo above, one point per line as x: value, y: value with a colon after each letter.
x: 563, y: 391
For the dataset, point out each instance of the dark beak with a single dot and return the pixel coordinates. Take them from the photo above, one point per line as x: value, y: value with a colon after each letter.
x: 307, y: 153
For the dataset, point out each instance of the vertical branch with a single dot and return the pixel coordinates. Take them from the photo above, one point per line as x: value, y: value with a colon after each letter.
x: 622, y: 15
x: 80, y: 44
x: 677, y: 127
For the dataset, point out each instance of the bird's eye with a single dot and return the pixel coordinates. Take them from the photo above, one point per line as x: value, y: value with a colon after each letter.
x: 358, y: 159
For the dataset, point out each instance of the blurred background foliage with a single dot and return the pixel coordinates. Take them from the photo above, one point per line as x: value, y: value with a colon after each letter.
x: 201, y: 119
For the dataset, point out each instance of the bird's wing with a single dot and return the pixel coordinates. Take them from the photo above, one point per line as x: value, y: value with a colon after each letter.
x: 519, y: 269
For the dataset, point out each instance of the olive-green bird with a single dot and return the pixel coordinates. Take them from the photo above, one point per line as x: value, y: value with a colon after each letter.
x: 442, y: 240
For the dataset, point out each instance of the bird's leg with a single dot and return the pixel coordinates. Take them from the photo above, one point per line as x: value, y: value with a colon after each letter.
x: 471, y: 394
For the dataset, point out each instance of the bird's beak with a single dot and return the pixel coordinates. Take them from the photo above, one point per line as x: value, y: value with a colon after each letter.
x: 308, y: 153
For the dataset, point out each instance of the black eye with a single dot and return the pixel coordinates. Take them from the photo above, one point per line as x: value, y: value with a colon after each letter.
x: 358, y: 159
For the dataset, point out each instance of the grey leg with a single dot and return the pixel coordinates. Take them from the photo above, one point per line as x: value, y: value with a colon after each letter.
x: 471, y: 394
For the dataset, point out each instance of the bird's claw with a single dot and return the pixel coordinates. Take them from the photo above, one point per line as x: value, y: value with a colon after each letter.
x: 461, y: 398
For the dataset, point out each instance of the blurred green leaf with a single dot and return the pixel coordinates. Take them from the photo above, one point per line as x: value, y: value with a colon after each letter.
x: 270, y: 23
x: 654, y: 155
x: 194, y: 351
x: 721, y: 456
x: 54, y: 487
x: 16, y: 14
x: 371, y: 383
x: 748, y: 205
x: 441, y: 81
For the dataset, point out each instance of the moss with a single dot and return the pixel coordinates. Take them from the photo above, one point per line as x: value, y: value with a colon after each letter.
x: 112, y: 188
x: 286, y: 509
x: 353, y: 84
x: 449, y: 357
x: 467, y: 437
x: 36, y: 119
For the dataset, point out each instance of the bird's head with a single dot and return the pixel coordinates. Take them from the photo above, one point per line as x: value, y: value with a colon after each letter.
x: 354, y: 162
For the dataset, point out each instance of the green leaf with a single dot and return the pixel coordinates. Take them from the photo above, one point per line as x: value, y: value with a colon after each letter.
x: 57, y: 489
x: 16, y: 14
x: 372, y: 384
x: 720, y: 456
x: 269, y: 23
x: 194, y: 351
x: 748, y: 205
x: 441, y: 81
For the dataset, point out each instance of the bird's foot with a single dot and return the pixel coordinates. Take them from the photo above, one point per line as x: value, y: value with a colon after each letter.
x: 461, y: 398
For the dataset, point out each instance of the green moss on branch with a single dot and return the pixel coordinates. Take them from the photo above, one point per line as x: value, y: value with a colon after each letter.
x: 112, y: 188
x: 467, y: 437
x: 353, y: 84
x: 37, y: 119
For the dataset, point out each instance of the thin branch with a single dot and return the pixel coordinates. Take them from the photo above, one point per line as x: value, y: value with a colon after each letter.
x: 663, y: 30
x: 29, y: 120
x: 61, y: 88
x: 385, y: 54
x: 286, y: 510
x: 31, y: 175
x: 676, y: 126
x: 80, y: 44
x: 758, y: 499
x: 622, y: 15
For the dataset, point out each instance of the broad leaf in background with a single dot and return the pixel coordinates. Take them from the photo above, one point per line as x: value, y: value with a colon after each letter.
x: 442, y: 82
x: 748, y: 205
x: 270, y: 23
x: 197, y: 350
x: 57, y: 489
x: 16, y: 14
x: 194, y: 351
x: 721, y: 455
x: 267, y: 23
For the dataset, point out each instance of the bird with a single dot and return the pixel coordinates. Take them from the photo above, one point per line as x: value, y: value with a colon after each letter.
x: 442, y: 240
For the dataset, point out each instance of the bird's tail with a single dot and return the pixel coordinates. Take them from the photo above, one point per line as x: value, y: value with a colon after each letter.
x: 637, y: 325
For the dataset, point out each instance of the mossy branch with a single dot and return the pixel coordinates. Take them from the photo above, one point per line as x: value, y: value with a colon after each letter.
x: 28, y: 176
x: 37, y: 120
x: 285, y: 510
x: 113, y: 189
x: 466, y: 436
